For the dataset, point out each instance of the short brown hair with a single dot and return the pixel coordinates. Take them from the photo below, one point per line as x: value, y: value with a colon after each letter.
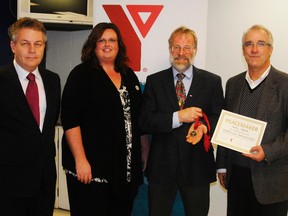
x: 25, y: 22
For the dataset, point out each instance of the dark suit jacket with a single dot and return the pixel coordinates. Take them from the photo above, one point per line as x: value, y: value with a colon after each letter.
x: 270, y: 178
x: 169, y: 150
x: 27, y: 156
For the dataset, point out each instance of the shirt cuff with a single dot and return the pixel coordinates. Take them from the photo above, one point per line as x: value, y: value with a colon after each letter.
x: 175, y: 121
x: 222, y: 170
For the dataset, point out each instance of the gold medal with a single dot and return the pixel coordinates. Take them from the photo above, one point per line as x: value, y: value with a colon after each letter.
x: 193, y: 133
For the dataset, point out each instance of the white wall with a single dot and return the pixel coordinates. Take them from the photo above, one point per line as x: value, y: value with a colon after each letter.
x: 228, y: 19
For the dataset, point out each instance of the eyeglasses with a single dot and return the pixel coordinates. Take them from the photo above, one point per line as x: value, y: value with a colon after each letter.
x: 186, y: 49
x: 259, y: 44
x: 104, y: 41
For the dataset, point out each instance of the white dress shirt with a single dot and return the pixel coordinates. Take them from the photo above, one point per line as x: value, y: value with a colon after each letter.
x: 22, y: 75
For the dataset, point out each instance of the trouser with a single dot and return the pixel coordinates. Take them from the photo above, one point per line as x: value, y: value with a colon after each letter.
x: 195, y: 199
x: 242, y: 200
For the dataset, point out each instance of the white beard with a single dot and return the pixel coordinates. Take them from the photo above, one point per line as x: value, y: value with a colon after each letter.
x: 180, y: 67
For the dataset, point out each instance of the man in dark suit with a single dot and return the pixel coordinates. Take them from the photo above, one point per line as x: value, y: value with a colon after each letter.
x: 27, y: 155
x: 173, y: 163
x: 257, y: 182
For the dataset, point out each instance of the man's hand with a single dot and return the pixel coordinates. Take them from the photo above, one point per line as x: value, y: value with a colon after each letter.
x: 145, y: 145
x: 195, y: 135
x: 189, y: 114
x: 256, y: 153
x: 222, y: 179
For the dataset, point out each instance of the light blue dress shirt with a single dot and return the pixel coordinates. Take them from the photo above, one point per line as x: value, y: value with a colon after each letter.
x: 187, y: 80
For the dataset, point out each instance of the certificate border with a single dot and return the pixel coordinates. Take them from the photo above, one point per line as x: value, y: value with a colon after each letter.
x: 224, y: 113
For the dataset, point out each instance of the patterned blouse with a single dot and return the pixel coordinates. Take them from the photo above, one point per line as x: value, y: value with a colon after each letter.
x: 124, y: 96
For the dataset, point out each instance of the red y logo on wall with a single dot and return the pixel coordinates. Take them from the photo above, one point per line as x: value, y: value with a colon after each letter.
x: 132, y: 41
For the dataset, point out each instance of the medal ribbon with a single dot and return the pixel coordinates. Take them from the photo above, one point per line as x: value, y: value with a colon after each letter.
x: 207, y: 135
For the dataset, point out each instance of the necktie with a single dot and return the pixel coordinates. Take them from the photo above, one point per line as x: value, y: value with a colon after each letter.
x: 180, y: 90
x: 33, y: 97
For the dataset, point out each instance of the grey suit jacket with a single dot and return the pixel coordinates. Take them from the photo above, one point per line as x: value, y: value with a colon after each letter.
x: 270, y: 177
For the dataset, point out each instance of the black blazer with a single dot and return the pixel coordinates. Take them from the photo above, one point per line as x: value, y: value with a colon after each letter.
x: 91, y: 101
x: 169, y: 149
x: 27, y: 156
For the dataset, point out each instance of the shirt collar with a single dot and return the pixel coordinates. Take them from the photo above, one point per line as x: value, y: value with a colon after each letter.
x: 22, y: 74
x: 254, y: 83
x: 188, y: 73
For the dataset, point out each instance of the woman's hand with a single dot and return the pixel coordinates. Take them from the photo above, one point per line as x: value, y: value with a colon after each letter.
x: 83, y: 171
x: 83, y: 168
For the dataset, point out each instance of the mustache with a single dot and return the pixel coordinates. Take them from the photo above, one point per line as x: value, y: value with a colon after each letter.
x: 180, y: 58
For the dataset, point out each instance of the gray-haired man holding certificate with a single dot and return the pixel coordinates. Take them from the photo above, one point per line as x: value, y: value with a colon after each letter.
x: 257, y: 182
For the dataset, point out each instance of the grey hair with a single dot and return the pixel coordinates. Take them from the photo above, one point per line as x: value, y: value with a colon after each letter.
x: 261, y: 28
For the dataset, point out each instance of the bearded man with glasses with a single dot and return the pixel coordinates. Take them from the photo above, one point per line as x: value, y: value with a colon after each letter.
x: 180, y: 157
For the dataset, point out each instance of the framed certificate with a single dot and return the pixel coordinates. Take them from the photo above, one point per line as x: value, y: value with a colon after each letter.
x: 238, y: 132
